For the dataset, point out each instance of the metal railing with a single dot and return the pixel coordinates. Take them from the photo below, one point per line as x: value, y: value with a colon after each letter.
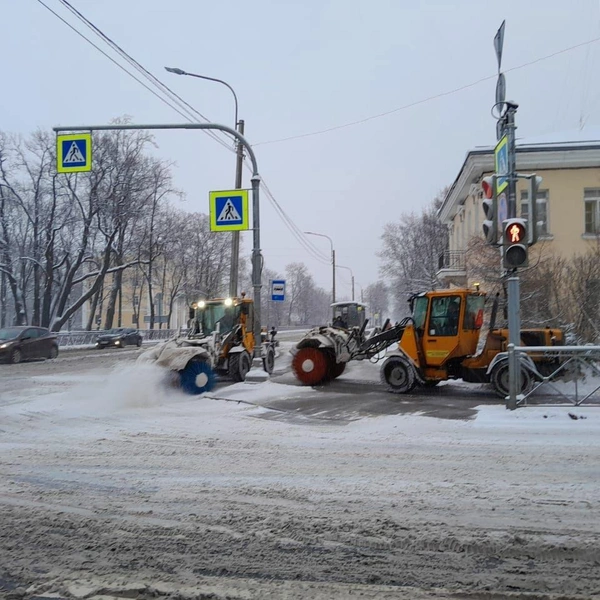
x: 452, y: 259
x: 571, y: 373
x: 88, y: 338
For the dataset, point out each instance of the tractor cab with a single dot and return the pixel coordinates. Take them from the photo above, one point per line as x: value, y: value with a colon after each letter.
x: 224, y: 316
x: 348, y: 314
x: 447, y: 323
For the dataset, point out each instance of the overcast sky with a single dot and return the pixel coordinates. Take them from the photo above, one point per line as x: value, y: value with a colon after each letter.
x: 299, y: 66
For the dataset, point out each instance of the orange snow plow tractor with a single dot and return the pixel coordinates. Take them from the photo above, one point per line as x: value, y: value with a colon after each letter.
x: 440, y: 341
x: 220, y: 341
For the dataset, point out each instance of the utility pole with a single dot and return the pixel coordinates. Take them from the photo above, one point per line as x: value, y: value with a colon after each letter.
x: 235, y: 235
x: 239, y: 125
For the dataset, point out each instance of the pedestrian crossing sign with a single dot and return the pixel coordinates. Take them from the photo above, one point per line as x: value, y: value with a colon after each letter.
x: 229, y: 210
x: 74, y: 152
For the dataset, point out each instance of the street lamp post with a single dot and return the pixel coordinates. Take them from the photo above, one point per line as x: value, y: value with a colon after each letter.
x: 352, y: 276
x: 332, y: 259
x: 239, y: 124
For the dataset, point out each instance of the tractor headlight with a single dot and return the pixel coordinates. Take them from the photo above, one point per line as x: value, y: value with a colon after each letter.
x: 201, y: 304
x: 228, y: 302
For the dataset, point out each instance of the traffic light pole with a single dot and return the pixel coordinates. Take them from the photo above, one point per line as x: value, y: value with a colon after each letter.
x: 516, y: 256
x: 513, y: 287
x: 514, y: 329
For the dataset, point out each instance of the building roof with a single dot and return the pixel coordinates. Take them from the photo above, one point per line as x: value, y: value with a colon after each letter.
x: 569, y: 150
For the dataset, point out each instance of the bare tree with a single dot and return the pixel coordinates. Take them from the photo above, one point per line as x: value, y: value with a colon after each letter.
x: 411, y: 250
x: 307, y: 303
x: 376, y: 297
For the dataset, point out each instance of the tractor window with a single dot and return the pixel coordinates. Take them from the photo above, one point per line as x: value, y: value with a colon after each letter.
x: 348, y: 315
x: 445, y: 312
x: 211, y: 314
x: 474, y: 312
x: 420, y: 311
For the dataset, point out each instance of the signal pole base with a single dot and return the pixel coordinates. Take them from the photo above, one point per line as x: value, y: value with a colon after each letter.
x: 257, y: 373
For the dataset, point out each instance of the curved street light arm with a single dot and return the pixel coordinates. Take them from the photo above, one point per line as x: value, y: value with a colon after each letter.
x: 182, y: 72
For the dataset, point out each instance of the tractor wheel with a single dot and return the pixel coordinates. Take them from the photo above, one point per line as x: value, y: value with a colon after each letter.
x: 398, y: 374
x: 197, y: 377
x: 336, y: 369
x: 239, y: 365
x: 269, y: 360
x: 499, y: 380
x: 53, y: 352
x: 310, y: 366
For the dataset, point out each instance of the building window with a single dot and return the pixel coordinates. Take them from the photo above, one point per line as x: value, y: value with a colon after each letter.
x: 542, y: 210
x: 591, y: 199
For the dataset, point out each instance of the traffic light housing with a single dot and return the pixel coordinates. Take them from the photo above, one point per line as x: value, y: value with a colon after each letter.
x: 515, y: 241
x: 534, y: 185
x: 490, y: 209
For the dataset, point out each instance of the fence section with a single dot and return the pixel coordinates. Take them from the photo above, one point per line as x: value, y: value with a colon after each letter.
x: 571, y: 373
x: 88, y: 338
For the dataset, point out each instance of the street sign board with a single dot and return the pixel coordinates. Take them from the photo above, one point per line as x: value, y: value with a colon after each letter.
x: 278, y: 290
x: 502, y: 207
x: 500, y: 88
x: 501, y: 160
x: 74, y: 152
x: 229, y: 210
x: 499, y: 43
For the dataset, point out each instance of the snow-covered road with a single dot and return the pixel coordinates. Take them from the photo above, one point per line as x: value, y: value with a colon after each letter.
x: 112, y: 482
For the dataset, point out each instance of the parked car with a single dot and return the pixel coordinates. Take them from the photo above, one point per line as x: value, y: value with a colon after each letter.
x: 119, y: 338
x: 25, y: 343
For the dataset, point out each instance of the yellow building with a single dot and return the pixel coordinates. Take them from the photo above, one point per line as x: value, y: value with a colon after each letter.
x: 568, y: 201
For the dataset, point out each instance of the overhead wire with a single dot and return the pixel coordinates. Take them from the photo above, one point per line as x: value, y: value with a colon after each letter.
x: 181, y: 110
x: 186, y: 106
x: 427, y: 99
x: 111, y: 59
x: 185, y: 109
x: 291, y: 225
x: 140, y: 68
x: 174, y: 101
x: 295, y: 230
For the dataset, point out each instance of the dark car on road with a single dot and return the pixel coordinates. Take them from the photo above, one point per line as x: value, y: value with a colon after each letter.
x: 25, y: 343
x: 119, y: 338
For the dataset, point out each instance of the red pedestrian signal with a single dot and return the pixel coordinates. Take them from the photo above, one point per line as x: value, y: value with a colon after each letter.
x: 514, y: 239
x: 516, y: 233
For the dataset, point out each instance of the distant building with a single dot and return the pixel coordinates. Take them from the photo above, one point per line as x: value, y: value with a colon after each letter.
x: 568, y: 201
x: 132, y: 306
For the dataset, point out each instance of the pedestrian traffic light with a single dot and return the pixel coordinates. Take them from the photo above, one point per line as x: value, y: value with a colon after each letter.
x: 514, y: 233
x: 490, y: 208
